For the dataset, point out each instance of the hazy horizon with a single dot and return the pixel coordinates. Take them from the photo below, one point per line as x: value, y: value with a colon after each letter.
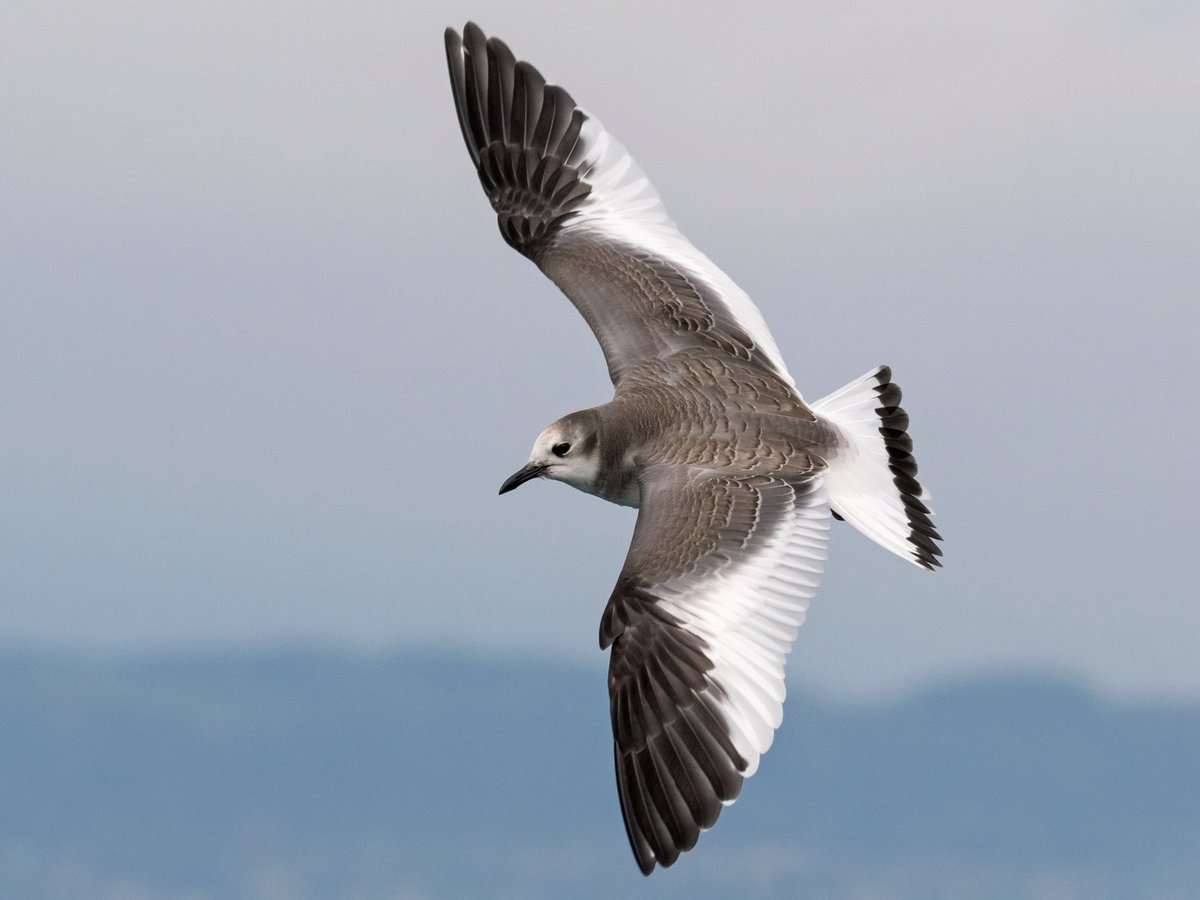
x: 303, y: 776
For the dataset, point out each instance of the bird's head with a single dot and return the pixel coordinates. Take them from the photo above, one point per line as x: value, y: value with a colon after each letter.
x: 567, y: 450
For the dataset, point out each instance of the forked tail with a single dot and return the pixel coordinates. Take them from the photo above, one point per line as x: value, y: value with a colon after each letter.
x: 872, y: 476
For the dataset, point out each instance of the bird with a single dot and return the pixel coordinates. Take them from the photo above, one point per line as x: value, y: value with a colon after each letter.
x: 734, y: 475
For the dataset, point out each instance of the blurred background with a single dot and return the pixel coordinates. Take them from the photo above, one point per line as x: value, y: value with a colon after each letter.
x: 266, y: 630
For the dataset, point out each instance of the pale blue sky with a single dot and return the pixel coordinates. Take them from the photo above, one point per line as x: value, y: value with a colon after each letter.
x: 265, y: 358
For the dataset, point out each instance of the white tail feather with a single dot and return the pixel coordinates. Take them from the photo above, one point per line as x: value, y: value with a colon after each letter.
x: 871, y: 477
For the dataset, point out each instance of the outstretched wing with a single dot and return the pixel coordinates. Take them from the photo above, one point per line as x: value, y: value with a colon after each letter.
x: 716, y: 584
x: 570, y: 197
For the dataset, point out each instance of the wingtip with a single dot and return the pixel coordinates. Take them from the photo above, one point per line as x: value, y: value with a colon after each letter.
x: 472, y: 33
x: 453, y: 43
x: 931, y: 561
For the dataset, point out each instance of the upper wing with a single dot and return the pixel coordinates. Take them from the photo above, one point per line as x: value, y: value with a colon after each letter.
x: 570, y: 197
x: 716, y: 584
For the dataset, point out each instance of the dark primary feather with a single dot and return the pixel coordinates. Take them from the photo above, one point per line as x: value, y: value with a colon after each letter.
x: 520, y: 133
x: 674, y: 760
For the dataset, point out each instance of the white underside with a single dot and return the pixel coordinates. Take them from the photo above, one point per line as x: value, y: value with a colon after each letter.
x: 623, y: 206
x: 750, y: 615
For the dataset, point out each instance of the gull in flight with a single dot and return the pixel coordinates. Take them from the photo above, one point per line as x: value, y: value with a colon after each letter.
x: 734, y: 476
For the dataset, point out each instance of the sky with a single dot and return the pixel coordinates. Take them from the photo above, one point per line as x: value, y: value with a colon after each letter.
x: 265, y: 359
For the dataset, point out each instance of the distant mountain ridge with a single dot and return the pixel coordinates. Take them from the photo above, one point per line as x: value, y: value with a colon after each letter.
x: 421, y: 775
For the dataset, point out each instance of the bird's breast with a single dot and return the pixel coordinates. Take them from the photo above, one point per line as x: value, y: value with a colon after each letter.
x: 628, y: 494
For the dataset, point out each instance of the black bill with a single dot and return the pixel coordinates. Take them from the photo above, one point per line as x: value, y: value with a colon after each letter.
x: 518, y: 478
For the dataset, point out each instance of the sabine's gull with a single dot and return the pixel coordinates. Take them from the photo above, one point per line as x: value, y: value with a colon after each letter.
x: 735, y: 477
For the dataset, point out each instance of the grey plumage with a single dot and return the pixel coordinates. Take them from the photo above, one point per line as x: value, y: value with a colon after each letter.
x: 732, y: 472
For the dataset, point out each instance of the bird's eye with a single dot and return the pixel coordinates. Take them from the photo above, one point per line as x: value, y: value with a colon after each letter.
x: 560, y: 449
